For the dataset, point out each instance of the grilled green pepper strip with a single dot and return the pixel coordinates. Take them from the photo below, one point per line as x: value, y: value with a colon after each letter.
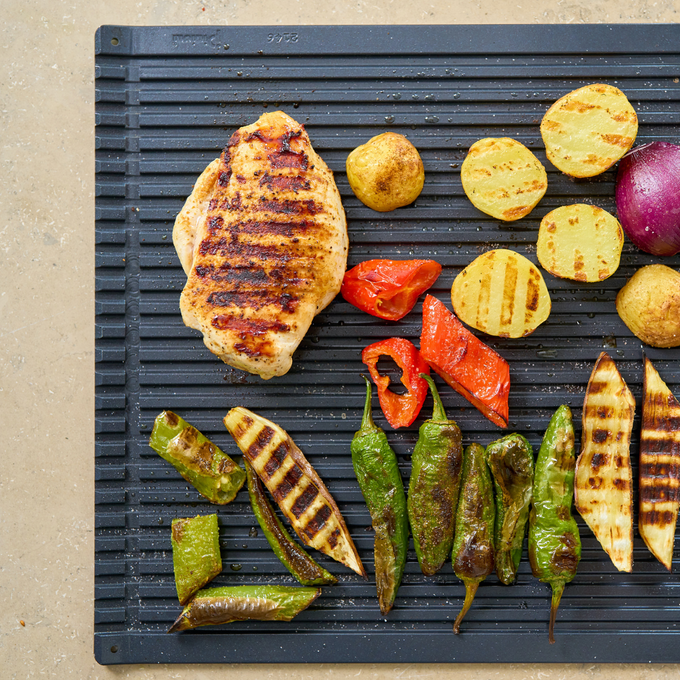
x: 434, y: 486
x: 554, y: 540
x: 212, y: 472
x: 375, y: 465
x: 512, y: 465
x: 195, y: 554
x: 473, y: 554
x: 244, y: 603
x: 293, y: 557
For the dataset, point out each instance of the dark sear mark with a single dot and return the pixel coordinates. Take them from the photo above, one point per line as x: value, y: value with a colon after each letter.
x: 317, y: 522
x: 274, y: 227
x: 276, y: 458
x: 256, y: 299
x: 333, y: 538
x: 600, y: 436
x: 657, y: 518
x: 304, y: 500
x: 263, y: 438
x: 288, y: 207
x: 284, y: 183
x: 232, y: 247
x: 288, y: 483
x: 246, y: 327
x: 288, y: 159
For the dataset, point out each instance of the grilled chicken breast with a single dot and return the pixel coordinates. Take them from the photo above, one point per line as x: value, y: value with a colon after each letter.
x: 263, y: 241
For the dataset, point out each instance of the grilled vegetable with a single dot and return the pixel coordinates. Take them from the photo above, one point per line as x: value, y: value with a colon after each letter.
x: 580, y: 242
x: 244, y: 603
x: 196, y: 555
x: 659, y: 466
x: 472, y: 368
x: 511, y: 462
x: 292, y: 556
x: 603, y: 486
x: 503, y: 178
x: 649, y: 304
x: 375, y: 466
x: 588, y: 130
x: 433, y: 489
x: 473, y: 554
x: 212, y: 472
x: 554, y: 540
x: 501, y: 293
x: 294, y: 485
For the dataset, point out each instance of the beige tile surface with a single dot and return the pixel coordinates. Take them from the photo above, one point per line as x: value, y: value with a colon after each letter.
x: 46, y: 321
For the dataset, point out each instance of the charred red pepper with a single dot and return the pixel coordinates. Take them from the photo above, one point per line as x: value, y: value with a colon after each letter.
x: 399, y: 409
x: 472, y: 368
x: 388, y: 288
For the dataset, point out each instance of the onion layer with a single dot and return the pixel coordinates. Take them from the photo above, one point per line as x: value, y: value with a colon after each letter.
x: 648, y: 197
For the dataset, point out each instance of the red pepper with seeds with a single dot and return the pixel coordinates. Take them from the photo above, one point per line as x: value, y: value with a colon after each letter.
x: 399, y: 409
x: 388, y: 289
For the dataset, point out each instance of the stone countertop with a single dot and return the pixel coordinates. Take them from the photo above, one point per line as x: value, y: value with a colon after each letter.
x: 47, y: 303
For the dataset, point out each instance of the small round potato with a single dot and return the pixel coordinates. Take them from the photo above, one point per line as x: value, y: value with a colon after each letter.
x: 386, y: 172
x: 649, y: 304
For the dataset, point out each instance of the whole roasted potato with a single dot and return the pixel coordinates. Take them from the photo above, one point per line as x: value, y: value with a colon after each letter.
x: 386, y: 172
x: 649, y: 304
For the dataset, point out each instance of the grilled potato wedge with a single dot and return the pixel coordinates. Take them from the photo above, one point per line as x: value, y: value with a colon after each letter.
x: 503, y: 178
x: 294, y: 485
x: 580, y: 242
x: 588, y: 130
x: 659, y: 466
x: 501, y: 293
x: 603, y: 486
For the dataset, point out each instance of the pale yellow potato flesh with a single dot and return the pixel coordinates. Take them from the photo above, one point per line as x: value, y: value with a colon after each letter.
x: 588, y: 130
x: 503, y: 178
x: 580, y: 242
x: 501, y: 293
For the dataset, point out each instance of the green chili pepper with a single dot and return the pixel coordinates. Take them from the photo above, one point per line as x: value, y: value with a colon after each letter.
x: 293, y: 557
x: 512, y: 465
x: 212, y: 472
x: 433, y: 489
x: 195, y: 553
x: 244, y: 603
x: 473, y: 553
x: 375, y: 466
x: 554, y: 540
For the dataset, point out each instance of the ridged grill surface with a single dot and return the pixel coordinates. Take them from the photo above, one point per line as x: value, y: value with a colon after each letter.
x: 166, y: 105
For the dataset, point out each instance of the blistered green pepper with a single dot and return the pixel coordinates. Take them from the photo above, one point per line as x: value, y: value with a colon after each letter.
x: 375, y: 465
x: 293, y: 557
x: 512, y: 465
x: 433, y: 489
x: 212, y: 472
x: 473, y: 553
x: 554, y: 540
x: 195, y: 553
x: 244, y: 603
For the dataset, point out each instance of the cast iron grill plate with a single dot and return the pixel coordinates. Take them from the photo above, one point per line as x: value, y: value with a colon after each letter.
x: 167, y: 100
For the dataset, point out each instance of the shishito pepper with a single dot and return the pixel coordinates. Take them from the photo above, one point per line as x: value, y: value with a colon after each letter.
x: 473, y: 553
x: 511, y: 462
x: 399, y: 409
x: 375, y: 466
x: 196, y: 555
x: 212, y: 472
x: 293, y: 557
x: 554, y: 540
x: 434, y: 485
x: 388, y: 289
x: 244, y: 603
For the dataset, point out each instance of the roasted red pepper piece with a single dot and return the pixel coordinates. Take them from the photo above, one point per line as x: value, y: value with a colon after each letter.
x: 399, y: 409
x: 472, y: 368
x: 388, y: 288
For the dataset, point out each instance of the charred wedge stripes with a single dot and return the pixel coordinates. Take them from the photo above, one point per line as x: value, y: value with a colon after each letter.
x: 659, y: 466
x: 294, y: 485
x: 603, y: 487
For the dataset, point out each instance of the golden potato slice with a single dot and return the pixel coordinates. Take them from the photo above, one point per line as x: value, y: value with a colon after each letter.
x: 580, y: 242
x: 503, y: 178
x: 501, y: 293
x: 649, y: 304
x: 588, y: 130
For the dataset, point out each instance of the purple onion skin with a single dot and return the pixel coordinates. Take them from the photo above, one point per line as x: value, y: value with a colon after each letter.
x: 648, y: 197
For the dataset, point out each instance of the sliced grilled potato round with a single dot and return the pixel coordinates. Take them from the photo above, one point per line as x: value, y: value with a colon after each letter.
x: 580, y: 242
x: 503, y: 178
x: 501, y: 293
x: 588, y: 130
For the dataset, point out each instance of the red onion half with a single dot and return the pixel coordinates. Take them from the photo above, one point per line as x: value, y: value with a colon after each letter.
x: 648, y: 197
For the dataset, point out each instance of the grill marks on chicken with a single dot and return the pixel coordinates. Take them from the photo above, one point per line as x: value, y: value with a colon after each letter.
x: 268, y: 248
